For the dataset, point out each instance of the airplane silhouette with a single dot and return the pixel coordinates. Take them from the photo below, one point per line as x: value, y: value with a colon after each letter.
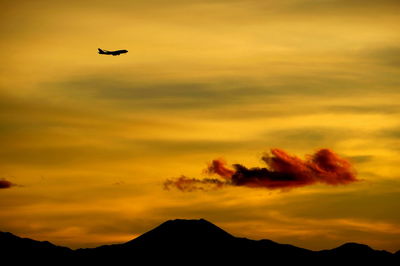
x: 117, y: 52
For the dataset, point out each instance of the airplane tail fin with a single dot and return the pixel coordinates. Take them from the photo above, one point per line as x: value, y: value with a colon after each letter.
x: 101, y: 51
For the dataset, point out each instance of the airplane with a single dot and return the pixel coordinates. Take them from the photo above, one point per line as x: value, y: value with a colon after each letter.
x: 114, y: 53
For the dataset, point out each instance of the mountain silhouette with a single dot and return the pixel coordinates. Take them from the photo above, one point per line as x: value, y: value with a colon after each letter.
x: 189, y: 242
x: 20, y: 250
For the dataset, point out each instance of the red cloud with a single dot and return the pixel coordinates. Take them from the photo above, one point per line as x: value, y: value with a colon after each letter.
x: 283, y: 171
x: 218, y: 167
x: 5, y: 184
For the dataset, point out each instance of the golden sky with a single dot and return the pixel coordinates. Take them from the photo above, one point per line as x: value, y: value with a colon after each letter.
x: 89, y: 139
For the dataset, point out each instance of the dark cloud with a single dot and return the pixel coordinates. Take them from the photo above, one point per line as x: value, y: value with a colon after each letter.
x: 59, y: 155
x: 200, y: 94
x: 361, y: 158
x: 389, y: 56
x: 365, y: 109
x: 5, y: 183
x: 393, y: 133
x: 182, y: 146
x: 366, y: 204
x: 345, y: 7
x: 306, y: 136
x: 284, y: 172
x: 164, y: 95
x: 184, y: 183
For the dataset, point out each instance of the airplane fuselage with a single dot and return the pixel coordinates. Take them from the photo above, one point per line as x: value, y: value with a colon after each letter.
x: 117, y: 52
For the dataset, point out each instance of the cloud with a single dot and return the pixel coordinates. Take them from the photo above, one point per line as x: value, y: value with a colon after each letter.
x: 346, y: 7
x: 283, y: 172
x: 389, y: 56
x: 184, y: 183
x: 5, y: 184
x: 218, y: 167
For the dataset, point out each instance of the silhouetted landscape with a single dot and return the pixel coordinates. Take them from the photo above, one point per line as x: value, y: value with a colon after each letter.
x: 188, y: 242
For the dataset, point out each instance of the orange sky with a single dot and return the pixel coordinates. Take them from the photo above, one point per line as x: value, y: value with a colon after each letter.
x: 89, y: 139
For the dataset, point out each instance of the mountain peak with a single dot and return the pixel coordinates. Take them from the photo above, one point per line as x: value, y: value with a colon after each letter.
x: 183, y: 231
x: 189, y: 222
x: 354, y: 247
x: 192, y: 225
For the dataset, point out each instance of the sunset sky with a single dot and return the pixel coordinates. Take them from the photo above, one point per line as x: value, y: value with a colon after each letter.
x: 88, y: 140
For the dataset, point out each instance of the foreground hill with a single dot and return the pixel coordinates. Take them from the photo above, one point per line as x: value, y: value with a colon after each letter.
x: 189, y: 242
